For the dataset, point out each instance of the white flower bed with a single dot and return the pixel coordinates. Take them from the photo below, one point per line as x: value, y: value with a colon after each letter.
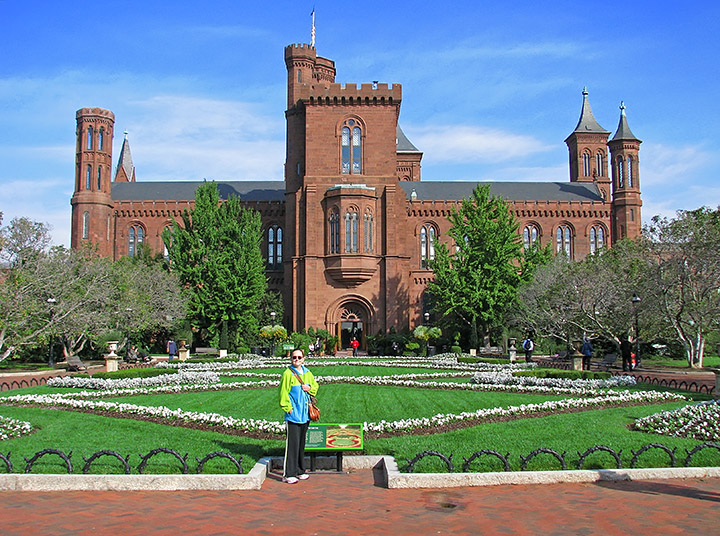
x: 506, y: 378
x: 10, y: 428
x: 181, y: 378
x: 698, y: 421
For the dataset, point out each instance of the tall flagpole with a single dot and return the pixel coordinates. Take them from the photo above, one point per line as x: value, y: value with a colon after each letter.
x: 312, y: 32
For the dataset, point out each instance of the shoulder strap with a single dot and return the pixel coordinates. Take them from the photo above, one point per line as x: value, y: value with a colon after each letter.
x: 296, y: 375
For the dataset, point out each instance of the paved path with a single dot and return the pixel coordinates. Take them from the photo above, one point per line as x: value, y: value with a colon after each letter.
x: 352, y: 504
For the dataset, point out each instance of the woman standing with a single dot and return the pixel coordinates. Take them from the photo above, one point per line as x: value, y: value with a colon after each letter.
x: 296, y: 386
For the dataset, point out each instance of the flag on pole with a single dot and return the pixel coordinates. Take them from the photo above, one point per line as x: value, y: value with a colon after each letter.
x: 312, y: 32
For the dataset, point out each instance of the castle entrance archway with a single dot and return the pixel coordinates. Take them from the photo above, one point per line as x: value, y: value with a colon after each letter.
x: 350, y: 318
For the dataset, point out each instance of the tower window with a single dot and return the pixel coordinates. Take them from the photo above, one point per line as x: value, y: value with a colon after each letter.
x: 427, y: 246
x: 88, y: 176
x: 368, y: 232
x: 351, y: 147
x: 530, y: 236
x: 351, y: 232
x: 274, y: 237
x: 334, y: 233
x: 620, y: 173
x: 86, y: 225
x: 563, y: 240
x: 101, y: 138
x: 586, y: 164
x: 135, y: 238
x: 99, y: 178
x: 599, y: 164
x: 597, y: 239
x: 630, y: 171
x: 89, y: 143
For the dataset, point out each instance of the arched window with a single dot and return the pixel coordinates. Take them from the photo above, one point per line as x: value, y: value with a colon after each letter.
x: 351, y: 232
x: 89, y: 143
x: 599, y: 164
x: 586, y: 164
x: 368, y: 232
x: 86, y: 225
x: 620, y: 173
x: 274, y: 247
x: 563, y: 240
x: 334, y: 232
x: 99, y: 178
x: 88, y: 176
x: 597, y: 239
x: 135, y: 238
x: 530, y: 236
x: 427, y: 246
x: 351, y: 147
x: 101, y: 138
x: 630, y: 171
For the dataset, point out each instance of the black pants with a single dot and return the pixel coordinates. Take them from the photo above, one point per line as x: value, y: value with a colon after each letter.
x: 295, y: 449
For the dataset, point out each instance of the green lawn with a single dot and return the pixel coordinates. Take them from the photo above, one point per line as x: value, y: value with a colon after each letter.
x: 84, y: 434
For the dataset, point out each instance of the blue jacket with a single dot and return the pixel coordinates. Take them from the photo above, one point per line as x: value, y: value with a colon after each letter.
x: 293, y: 400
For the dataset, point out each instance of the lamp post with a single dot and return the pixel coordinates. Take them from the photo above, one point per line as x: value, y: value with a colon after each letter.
x: 427, y: 319
x: 636, y: 301
x: 51, y: 358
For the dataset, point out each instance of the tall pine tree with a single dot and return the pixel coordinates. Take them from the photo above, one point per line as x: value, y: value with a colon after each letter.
x: 216, y: 252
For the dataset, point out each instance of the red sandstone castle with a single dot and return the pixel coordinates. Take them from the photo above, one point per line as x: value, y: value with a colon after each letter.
x: 348, y: 234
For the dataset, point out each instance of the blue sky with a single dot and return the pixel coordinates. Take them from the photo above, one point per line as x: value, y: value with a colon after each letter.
x: 490, y: 89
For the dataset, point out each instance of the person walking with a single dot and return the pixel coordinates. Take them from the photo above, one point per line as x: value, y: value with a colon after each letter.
x: 171, y: 349
x: 355, y: 345
x: 528, y: 345
x: 296, y: 386
x: 586, y: 350
x: 626, y: 353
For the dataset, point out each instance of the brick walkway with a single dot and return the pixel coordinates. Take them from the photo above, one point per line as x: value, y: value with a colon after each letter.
x: 351, y: 504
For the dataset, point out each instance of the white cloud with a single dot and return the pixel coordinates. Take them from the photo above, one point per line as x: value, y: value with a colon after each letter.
x: 662, y: 164
x: 461, y: 144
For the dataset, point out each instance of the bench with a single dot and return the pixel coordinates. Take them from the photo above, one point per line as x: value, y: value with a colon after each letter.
x: 74, y: 364
x: 206, y: 351
x: 607, y: 362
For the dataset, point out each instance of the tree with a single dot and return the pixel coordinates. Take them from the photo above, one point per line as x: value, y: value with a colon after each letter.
x: 686, y: 275
x: 215, y: 250
x: 592, y: 297
x: 426, y: 334
x: 22, y: 240
x: 478, y: 282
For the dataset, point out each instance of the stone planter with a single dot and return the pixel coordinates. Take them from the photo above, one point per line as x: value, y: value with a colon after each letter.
x: 111, y: 359
x: 222, y: 353
x: 512, y: 351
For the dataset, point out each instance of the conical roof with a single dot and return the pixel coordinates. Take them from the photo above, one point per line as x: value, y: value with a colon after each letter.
x: 125, y: 162
x: 623, y: 130
x: 404, y: 145
x: 587, y: 122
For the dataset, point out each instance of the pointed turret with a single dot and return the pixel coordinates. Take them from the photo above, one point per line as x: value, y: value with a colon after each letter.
x: 626, y: 201
x: 125, y: 171
x: 588, y: 150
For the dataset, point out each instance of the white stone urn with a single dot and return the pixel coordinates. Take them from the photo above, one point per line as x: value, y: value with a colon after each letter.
x: 111, y: 359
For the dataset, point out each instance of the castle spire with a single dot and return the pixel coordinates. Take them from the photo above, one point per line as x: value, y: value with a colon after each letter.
x: 623, y: 130
x: 587, y: 122
x: 125, y: 171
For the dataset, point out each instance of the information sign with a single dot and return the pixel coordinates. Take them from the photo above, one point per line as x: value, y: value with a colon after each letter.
x: 333, y: 436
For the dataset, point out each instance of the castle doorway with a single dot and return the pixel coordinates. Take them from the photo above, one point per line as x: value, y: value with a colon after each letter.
x: 352, y: 324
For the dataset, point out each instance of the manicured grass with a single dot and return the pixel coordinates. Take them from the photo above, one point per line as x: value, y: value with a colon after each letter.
x: 84, y: 434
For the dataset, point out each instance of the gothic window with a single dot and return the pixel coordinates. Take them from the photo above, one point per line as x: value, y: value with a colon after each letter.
x: 351, y: 147
x: 563, y: 240
x: 274, y: 247
x: 599, y: 164
x: 427, y: 246
x: 620, y: 173
x: 530, y: 236
x: 351, y: 232
x: 166, y: 252
x: 368, y: 232
x: 586, y: 164
x: 632, y: 214
x: 89, y: 143
x: 597, y: 239
x: 101, y: 138
x: 99, y: 178
x: 135, y: 238
x: 334, y: 232
x: 630, y: 171
x: 88, y: 176
x: 86, y: 225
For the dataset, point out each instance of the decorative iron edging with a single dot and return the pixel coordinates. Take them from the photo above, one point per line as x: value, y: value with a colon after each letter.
x: 670, y: 452
x: 613, y: 453
x: 446, y: 459
x: 218, y: 454
x: 690, y: 453
x: 38, y: 455
x: 125, y: 461
x: 181, y: 459
x: 536, y: 452
x: 504, y: 459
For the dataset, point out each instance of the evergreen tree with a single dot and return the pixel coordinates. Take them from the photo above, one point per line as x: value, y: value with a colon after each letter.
x: 216, y: 252
x: 477, y: 278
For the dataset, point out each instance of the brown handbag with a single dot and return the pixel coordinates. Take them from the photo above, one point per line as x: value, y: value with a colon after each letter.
x: 313, y: 409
